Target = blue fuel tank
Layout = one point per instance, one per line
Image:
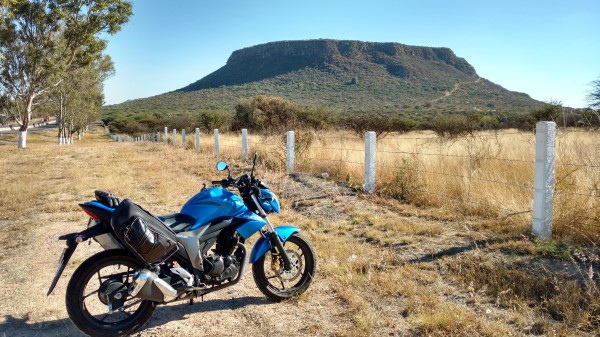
(213, 203)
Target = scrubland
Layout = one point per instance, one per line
(443, 248)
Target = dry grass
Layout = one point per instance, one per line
(367, 282)
(488, 175)
(521, 283)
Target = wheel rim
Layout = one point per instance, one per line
(108, 283)
(283, 281)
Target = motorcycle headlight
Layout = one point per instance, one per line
(269, 201)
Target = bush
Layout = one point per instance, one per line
(381, 125)
(549, 112)
(180, 121)
(274, 114)
(454, 126)
(214, 119)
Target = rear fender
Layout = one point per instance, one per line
(73, 239)
(263, 245)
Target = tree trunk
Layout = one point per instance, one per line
(22, 139)
(25, 123)
(60, 120)
(70, 135)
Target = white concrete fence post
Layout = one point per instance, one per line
(370, 161)
(543, 181)
(198, 140)
(290, 152)
(174, 140)
(183, 137)
(244, 144)
(217, 143)
(166, 135)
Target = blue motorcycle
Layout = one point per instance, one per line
(149, 260)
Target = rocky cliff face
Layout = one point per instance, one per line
(340, 58)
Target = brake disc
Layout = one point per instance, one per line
(295, 267)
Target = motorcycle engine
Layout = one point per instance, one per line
(225, 261)
(219, 268)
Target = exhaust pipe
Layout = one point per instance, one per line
(148, 286)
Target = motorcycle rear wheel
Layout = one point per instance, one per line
(278, 284)
(87, 290)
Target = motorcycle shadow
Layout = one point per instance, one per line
(178, 311)
(21, 326)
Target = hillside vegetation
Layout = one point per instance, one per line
(344, 76)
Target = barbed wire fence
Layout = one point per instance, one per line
(406, 168)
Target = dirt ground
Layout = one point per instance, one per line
(383, 268)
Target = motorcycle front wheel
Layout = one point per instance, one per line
(97, 298)
(279, 284)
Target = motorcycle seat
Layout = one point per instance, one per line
(178, 222)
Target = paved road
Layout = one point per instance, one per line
(5, 130)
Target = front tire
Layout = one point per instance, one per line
(106, 274)
(278, 284)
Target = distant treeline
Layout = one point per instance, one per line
(269, 114)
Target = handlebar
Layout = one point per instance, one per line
(244, 182)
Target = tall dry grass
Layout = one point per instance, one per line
(488, 174)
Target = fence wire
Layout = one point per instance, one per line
(348, 155)
(460, 176)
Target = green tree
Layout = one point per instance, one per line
(276, 114)
(550, 111)
(42, 40)
(382, 125)
(213, 119)
(454, 126)
(78, 98)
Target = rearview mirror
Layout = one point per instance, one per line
(222, 166)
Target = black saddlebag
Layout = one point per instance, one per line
(144, 234)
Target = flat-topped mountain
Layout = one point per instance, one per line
(345, 76)
(342, 59)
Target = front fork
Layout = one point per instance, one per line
(274, 238)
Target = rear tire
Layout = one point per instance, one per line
(85, 302)
(278, 284)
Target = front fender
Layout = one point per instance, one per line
(262, 245)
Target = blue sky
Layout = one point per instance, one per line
(549, 49)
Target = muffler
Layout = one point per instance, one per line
(148, 286)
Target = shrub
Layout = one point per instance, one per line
(275, 114)
(454, 126)
(551, 111)
(214, 119)
(381, 125)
